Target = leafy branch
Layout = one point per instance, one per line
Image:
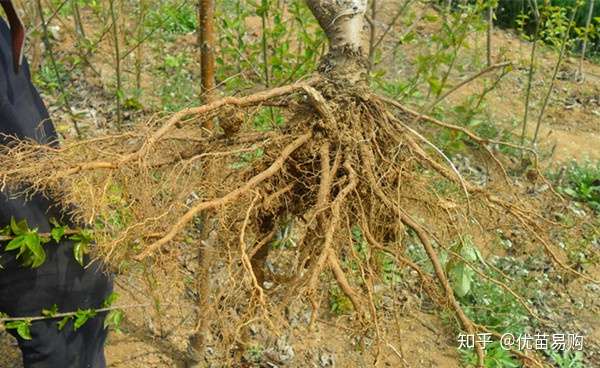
(113, 318)
(29, 242)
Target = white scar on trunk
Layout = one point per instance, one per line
(343, 22)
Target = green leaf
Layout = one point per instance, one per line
(435, 84)
(82, 236)
(468, 252)
(18, 228)
(38, 255)
(16, 243)
(23, 331)
(5, 230)
(57, 233)
(82, 316)
(63, 322)
(22, 328)
(82, 240)
(79, 250)
(50, 312)
(110, 300)
(114, 319)
(461, 276)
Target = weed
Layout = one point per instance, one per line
(461, 275)
(581, 182)
(254, 354)
(172, 18)
(487, 303)
(268, 118)
(339, 303)
(567, 359)
(46, 77)
(246, 158)
(388, 269)
(361, 247)
(178, 90)
(495, 357)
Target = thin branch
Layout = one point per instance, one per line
(556, 67)
(72, 314)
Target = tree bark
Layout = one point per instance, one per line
(139, 52)
(206, 40)
(79, 30)
(490, 29)
(116, 46)
(35, 38)
(372, 34)
(345, 25)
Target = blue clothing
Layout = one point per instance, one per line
(60, 279)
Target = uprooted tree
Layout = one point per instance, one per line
(345, 158)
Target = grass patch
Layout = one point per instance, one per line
(581, 182)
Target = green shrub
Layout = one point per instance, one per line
(172, 17)
(581, 182)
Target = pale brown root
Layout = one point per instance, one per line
(175, 121)
(551, 252)
(226, 101)
(231, 196)
(318, 101)
(325, 185)
(367, 161)
(264, 241)
(439, 271)
(326, 175)
(186, 173)
(245, 258)
(493, 199)
(503, 285)
(327, 254)
(467, 132)
(427, 280)
(519, 298)
(439, 151)
(483, 142)
(342, 281)
(272, 198)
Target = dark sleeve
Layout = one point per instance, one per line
(22, 111)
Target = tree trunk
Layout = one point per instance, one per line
(490, 28)
(36, 38)
(372, 34)
(206, 41)
(117, 55)
(79, 30)
(588, 20)
(345, 25)
(139, 52)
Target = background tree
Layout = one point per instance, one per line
(588, 22)
(206, 43)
